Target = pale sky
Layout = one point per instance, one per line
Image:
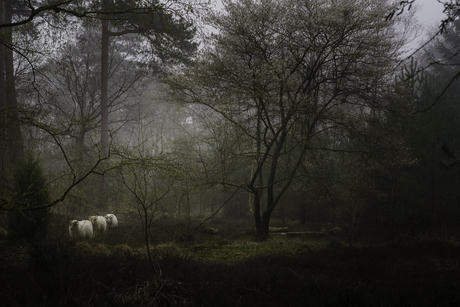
(430, 12)
(429, 15)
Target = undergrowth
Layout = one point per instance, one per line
(234, 271)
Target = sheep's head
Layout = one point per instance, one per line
(73, 224)
(92, 219)
(109, 217)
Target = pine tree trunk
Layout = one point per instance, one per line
(11, 144)
(104, 89)
(3, 145)
(104, 106)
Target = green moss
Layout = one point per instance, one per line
(241, 250)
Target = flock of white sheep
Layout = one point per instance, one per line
(95, 225)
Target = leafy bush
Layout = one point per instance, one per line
(29, 192)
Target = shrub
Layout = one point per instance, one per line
(29, 192)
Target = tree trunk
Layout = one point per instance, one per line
(104, 88)
(3, 145)
(104, 105)
(263, 225)
(80, 148)
(262, 221)
(11, 143)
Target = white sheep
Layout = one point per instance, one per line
(80, 230)
(112, 221)
(99, 224)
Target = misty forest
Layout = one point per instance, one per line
(253, 153)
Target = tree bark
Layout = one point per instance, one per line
(104, 88)
(3, 145)
(104, 104)
(11, 143)
(262, 221)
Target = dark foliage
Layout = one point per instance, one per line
(29, 192)
(422, 273)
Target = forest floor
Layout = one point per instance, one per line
(223, 264)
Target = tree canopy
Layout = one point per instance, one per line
(286, 72)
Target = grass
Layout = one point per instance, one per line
(238, 250)
(231, 268)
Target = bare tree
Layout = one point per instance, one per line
(284, 72)
(166, 27)
(148, 178)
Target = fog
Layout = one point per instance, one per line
(296, 155)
